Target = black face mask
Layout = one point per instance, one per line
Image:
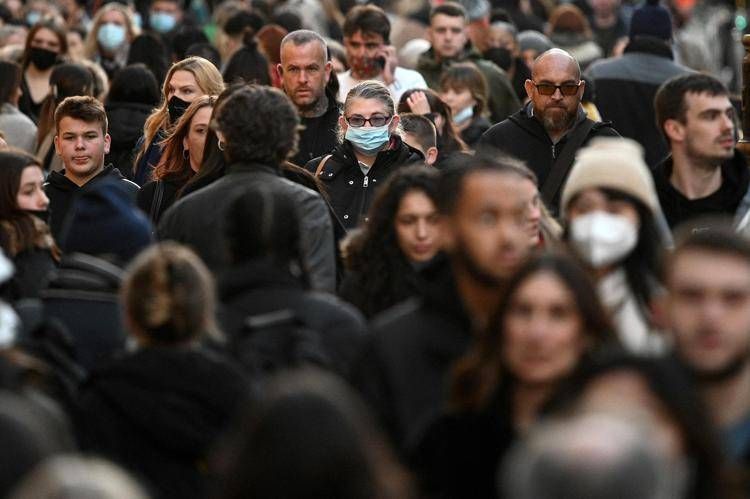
(42, 215)
(176, 108)
(42, 58)
(500, 56)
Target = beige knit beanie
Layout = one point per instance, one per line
(611, 163)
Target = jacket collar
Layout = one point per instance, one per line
(649, 45)
(252, 167)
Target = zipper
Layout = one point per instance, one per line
(366, 182)
(553, 151)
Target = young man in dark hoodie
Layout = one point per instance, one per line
(81, 141)
(705, 174)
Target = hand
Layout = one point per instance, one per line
(418, 103)
(388, 53)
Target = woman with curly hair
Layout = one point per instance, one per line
(400, 236)
(181, 158)
(24, 237)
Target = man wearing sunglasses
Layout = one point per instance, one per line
(549, 130)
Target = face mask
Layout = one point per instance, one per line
(176, 108)
(42, 58)
(463, 115)
(602, 238)
(368, 140)
(33, 17)
(138, 20)
(163, 22)
(111, 36)
(500, 56)
(42, 215)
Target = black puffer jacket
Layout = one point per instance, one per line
(351, 191)
(126, 121)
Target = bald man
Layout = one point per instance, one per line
(549, 130)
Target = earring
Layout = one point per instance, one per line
(186, 153)
(220, 145)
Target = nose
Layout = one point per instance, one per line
(42, 200)
(79, 143)
(422, 229)
(728, 122)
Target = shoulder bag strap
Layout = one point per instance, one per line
(322, 164)
(562, 165)
(156, 201)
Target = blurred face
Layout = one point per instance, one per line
(707, 135)
(31, 194)
(362, 50)
(627, 393)
(114, 17)
(167, 7)
(708, 309)
(304, 73)
(46, 39)
(75, 45)
(417, 228)
(184, 85)
(486, 234)
(543, 336)
(82, 147)
(557, 112)
(196, 137)
(458, 100)
(534, 211)
(604, 7)
(447, 35)
(501, 38)
(591, 200)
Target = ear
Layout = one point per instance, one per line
(674, 130)
(581, 89)
(428, 35)
(280, 70)
(57, 145)
(185, 144)
(529, 86)
(394, 123)
(328, 68)
(343, 124)
(107, 143)
(431, 156)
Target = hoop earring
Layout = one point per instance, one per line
(220, 144)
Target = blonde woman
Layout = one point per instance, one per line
(182, 156)
(109, 40)
(186, 81)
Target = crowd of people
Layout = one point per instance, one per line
(373, 250)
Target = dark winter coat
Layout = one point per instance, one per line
(31, 269)
(257, 288)
(83, 294)
(158, 412)
(503, 99)
(318, 136)
(351, 192)
(146, 199)
(625, 89)
(198, 220)
(732, 199)
(126, 121)
(404, 368)
(62, 192)
(149, 159)
(524, 137)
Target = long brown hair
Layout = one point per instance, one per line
(173, 163)
(209, 81)
(58, 30)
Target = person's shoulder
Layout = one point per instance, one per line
(405, 75)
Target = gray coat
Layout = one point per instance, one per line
(18, 129)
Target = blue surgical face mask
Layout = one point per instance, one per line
(463, 115)
(111, 36)
(368, 140)
(33, 17)
(163, 22)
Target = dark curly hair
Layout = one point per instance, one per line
(259, 125)
(386, 275)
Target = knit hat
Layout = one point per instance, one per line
(105, 221)
(651, 19)
(611, 163)
(534, 40)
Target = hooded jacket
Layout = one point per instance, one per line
(159, 411)
(318, 135)
(524, 137)
(503, 100)
(351, 192)
(62, 192)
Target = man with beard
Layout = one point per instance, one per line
(708, 310)
(704, 173)
(408, 357)
(367, 32)
(549, 130)
(305, 72)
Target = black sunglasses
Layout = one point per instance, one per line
(566, 89)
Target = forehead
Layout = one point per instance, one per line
(305, 53)
(164, 5)
(366, 107)
(501, 190)
(445, 21)
(555, 68)
(699, 102)
(362, 37)
(202, 116)
(31, 173)
(45, 34)
(73, 125)
(113, 16)
(182, 78)
(709, 270)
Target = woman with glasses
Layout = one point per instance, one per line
(370, 149)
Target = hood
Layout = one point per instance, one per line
(59, 181)
(524, 119)
(182, 398)
(126, 121)
(262, 273)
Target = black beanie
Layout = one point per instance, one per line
(651, 19)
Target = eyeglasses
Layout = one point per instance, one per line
(566, 89)
(358, 121)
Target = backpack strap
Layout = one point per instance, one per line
(157, 200)
(564, 162)
(322, 164)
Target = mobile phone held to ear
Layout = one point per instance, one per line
(380, 62)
